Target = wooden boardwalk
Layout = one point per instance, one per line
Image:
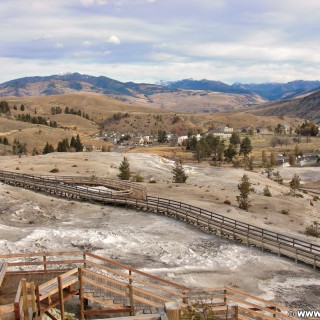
(132, 195)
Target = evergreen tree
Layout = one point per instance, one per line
(22, 108)
(19, 148)
(79, 147)
(76, 144)
(235, 139)
(295, 183)
(264, 158)
(230, 152)
(179, 175)
(73, 143)
(63, 146)
(5, 141)
(124, 169)
(245, 146)
(48, 148)
(4, 107)
(245, 189)
(162, 136)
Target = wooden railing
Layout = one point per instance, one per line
(118, 188)
(247, 306)
(236, 230)
(207, 220)
(25, 303)
(130, 286)
(121, 288)
(3, 270)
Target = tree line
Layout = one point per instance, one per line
(214, 146)
(36, 120)
(67, 110)
(64, 146)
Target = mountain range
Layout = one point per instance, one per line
(75, 82)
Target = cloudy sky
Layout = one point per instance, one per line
(152, 40)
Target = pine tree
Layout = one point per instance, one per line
(179, 175)
(79, 147)
(76, 144)
(5, 141)
(230, 152)
(245, 189)
(245, 146)
(235, 138)
(124, 169)
(63, 146)
(264, 158)
(48, 148)
(295, 183)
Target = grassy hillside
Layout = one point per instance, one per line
(307, 107)
(111, 115)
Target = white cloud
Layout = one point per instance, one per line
(45, 36)
(102, 2)
(58, 45)
(86, 43)
(114, 40)
(87, 3)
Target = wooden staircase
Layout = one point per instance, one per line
(108, 287)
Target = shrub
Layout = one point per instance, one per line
(138, 178)
(152, 180)
(284, 211)
(228, 202)
(312, 231)
(266, 192)
(54, 170)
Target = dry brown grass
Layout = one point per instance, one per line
(164, 151)
(195, 101)
(140, 120)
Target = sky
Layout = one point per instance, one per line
(248, 41)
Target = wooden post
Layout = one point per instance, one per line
(84, 261)
(17, 311)
(61, 297)
(225, 296)
(33, 301)
(173, 310)
(81, 294)
(185, 297)
(25, 299)
(45, 265)
(132, 312)
(38, 301)
(236, 312)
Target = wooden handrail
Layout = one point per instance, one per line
(122, 266)
(244, 301)
(278, 243)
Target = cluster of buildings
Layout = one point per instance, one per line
(140, 139)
